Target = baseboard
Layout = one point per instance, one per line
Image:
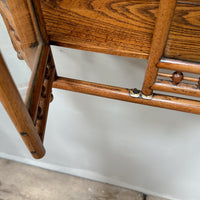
(81, 173)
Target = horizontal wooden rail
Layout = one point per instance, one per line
(181, 88)
(178, 65)
(123, 94)
(18, 113)
(186, 78)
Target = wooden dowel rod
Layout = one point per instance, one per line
(186, 78)
(18, 113)
(123, 94)
(164, 75)
(178, 65)
(160, 35)
(35, 85)
(45, 100)
(181, 88)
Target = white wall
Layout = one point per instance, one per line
(149, 149)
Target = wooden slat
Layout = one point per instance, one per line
(14, 105)
(181, 88)
(184, 37)
(118, 93)
(178, 65)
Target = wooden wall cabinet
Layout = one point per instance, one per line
(166, 32)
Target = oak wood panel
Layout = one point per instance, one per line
(110, 26)
(184, 37)
(121, 27)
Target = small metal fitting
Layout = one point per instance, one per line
(134, 92)
(147, 96)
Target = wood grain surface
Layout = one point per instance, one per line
(121, 27)
(184, 37)
(115, 27)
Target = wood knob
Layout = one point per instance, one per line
(177, 77)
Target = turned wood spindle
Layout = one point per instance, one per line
(177, 77)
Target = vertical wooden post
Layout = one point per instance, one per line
(161, 31)
(18, 113)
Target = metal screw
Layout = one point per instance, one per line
(136, 91)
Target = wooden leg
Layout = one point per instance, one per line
(18, 112)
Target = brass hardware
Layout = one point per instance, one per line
(138, 94)
(149, 97)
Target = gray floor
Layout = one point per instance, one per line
(24, 182)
